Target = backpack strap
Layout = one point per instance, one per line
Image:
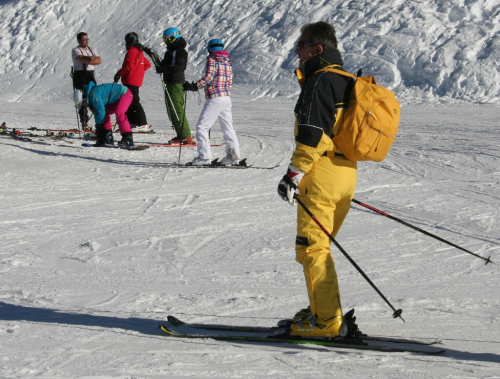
(336, 71)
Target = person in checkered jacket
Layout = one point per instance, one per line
(217, 84)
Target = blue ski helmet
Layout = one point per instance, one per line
(171, 35)
(215, 45)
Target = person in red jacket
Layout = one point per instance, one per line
(132, 75)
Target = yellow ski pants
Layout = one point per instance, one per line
(326, 190)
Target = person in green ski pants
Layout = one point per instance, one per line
(172, 67)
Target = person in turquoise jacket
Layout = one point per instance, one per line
(105, 100)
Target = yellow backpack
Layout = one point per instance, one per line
(370, 120)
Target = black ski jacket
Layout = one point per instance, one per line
(322, 95)
(174, 63)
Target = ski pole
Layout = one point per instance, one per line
(165, 89)
(157, 62)
(397, 313)
(182, 126)
(78, 122)
(488, 260)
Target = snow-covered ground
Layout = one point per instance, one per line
(99, 245)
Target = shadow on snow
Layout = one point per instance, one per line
(107, 160)
(12, 312)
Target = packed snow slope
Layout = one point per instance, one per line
(424, 50)
(99, 245)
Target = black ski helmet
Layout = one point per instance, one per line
(131, 39)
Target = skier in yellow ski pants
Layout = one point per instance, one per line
(326, 180)
(326, 190)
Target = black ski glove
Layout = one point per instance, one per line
(190, 86)
(147, 50)
(116, 78)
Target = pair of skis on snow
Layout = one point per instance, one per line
(143, 146)
(116, 146)
(215, 163)
(274, 335)
(242, 164)
(147, 146)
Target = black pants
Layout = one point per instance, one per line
(135, 113)
(80, 79)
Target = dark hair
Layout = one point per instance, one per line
(321, 33)
(80, 35)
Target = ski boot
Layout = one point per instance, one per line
(101, 135)
(287, 322)
(311, 326)
(200, 162)
(139, 128)
(305, 324)
(183, 141)
(228, 161)
(127, 141)
(231, 158)
(109, 138)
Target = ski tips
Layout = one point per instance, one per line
(397, 314)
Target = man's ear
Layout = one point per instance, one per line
(319, 49)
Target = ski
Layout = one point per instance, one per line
(231, 328)
(358, 344)
(63, 132)
(14, 133)
(213, 164)
(177, 145)
(237, 167)
(19, 137)
(47, 130)
(150, 131)
(131, 148)
(28, 136)
(259, 329)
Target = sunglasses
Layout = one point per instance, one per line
(84, 39)
(302, 44)
(169, 39)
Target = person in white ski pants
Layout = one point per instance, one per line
(217, 83)
(219, 107)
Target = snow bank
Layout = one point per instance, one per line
(424, 50)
